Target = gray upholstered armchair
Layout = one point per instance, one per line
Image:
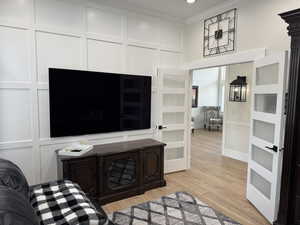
(212, 117)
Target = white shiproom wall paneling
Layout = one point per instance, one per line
(38, 34)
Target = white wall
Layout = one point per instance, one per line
(236, 124)
(208, 93)
(38, 34)
(258, 26)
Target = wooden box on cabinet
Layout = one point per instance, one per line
(115, 171)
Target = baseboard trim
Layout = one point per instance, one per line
(235, 155)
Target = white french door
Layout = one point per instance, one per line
(267, 133)
(173, 127)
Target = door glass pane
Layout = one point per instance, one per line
(262, 157)
(265, 103)
(267, 74)
(174, 153)
(171, 81)
(264, 130)
(173, 136)
(173, 99)
(260, 184)
(173, 118)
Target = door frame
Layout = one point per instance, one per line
(226, 59)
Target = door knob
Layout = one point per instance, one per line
(160, 127)
(274, 148)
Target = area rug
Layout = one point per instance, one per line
(179, 208)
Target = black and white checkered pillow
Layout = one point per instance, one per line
(64, 203)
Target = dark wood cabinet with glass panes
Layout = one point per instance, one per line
(115, 171)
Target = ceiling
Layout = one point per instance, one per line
(173, 8)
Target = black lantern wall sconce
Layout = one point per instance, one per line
(238, 90)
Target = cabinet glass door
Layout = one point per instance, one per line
(121, 172)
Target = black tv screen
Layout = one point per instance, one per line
(83, 102)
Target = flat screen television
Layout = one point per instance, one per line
(84, 102)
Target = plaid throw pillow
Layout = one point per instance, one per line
(64, 203)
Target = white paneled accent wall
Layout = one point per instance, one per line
(59, 51)
(111, 61)
(73, 34)
(14, 45)
(15, 111)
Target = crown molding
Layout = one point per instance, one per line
(292, 18)
(132, 8)
(212, 11)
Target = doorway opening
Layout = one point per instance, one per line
(225, 175)
(214, 115)
(220, 133)
(208, 88)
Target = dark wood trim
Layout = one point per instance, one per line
(288, 214)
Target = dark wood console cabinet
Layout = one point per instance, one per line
(115, 171)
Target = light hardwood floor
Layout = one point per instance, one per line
(216, 180)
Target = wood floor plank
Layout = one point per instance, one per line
(216, 180)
